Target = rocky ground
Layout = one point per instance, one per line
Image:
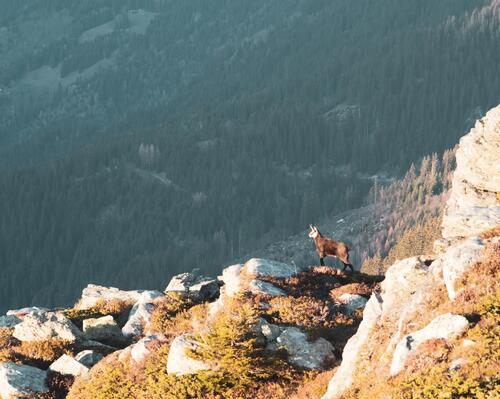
(306, 315)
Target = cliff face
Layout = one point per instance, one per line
(422, 334)
(473, 205)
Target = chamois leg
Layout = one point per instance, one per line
(347, 265)
(321, 262)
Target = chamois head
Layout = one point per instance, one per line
(314, 231)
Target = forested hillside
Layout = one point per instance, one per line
(142, 138)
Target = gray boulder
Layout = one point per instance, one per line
(139, 320)
(38, 326)
(303, 353)
(67, 365)
(103, 329)
(269, 268)
(446, 326)
(201, 287)
(20, 381)
(179, 363)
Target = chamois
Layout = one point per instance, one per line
(328, 247)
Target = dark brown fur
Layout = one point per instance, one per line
(328, 247)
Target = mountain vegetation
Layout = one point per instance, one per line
(143, 138)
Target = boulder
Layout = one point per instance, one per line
(92, 294)
(259, 287)
(345, 374)
(201, 287)
(269, 268)
(446, 326)
(138, 320)
(233, 282)
(352, 302)
(103, 329)
(38, 326)
(67, 365)
(179, 363)
(9, 321)
(88, 358)
(303, 353)
(20, 381)
(473, 205)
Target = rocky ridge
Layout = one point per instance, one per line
(470, 227)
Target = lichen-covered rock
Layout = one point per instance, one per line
(201, 287)
(344, 376)
(258, 287)
(179, 363)
(352, 302)
(67, 365)
(20, 381)
(88, 358)
(446, 326)
(103, 329)
(139, 320)
(39, 326)
(269, 268)
(92, 294)
(473, 205)
(303, 353)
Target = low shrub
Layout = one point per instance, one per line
(303, 311)
(43, 352)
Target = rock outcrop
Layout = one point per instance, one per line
(445, 327)
(473, 206)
